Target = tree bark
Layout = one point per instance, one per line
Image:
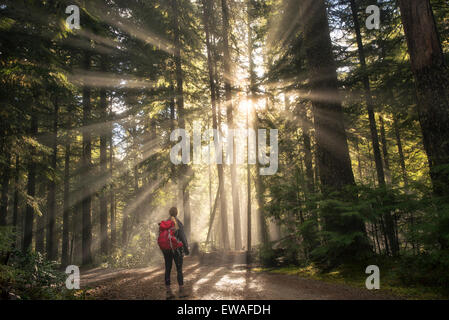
(5, 187)
(373, 126)
(368, 97)
(51, 195)
(385, 150)
(31, 187)
(212, 215)
(432, 83)
(390, 217)
(263, 231)
(86, 161)
(125, 222)
(77, 230)
(111, 194)
(213, 90)
(400, 150)
(66, 206)
(39, 244)
(251, 98)
(305, 127)
(103, 173)
(359, 159)
(334, 163)
(333, 152)
(260, 191)
(230, 121)
(15, 210)
(186, 170)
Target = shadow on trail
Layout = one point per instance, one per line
(131, 284)
(100, 276)
(221, 278)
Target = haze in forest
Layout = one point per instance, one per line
(361, 116)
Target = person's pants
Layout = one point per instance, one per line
(169, 256)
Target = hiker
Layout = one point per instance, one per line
(173, 249)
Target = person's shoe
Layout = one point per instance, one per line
(182, 292)
(169, 293)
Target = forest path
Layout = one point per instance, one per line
(225, 281)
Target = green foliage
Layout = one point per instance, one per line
(268, 257)
(141, 250)
(428, 269)
(29, 275)
(36, 270)
(421, 218)
(123, 259)
(6, 239)
(131, 40)
(354, 275)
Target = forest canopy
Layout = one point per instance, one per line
(355, 118)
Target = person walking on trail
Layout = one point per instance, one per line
(173, 243)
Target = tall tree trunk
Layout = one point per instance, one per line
(51, 195)
(252, 91)
(222, 224)
(125, 223)
(384, 233)
(368, 97)
(230, 120)
(39, 244)
(103, 173)
(359, 159)
(309, 233)
(186, 170)
(15, 209)
(333, 152)
(111, 193)
(334, 163)
(31, 187)
(400, 150)
(136, 175)
(373, 126)
(66, 206)
(212, 215)
(432, 83)
(390, 217)
(5, 187)
(305, 127)
(86, 161)
(77, 230)
(248, 208)
(372, 165)
(5, 172)
(376, 234)
(260, 191)
(221, 177)
(385, 150)
(262, 223)
(172, 105)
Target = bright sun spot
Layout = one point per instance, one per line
(245, 105)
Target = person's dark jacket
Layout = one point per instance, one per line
(181, 236)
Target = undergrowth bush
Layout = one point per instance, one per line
(29, 275)
(128, 259)
(427, 269)
(422, 220)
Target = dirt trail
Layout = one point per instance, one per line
(203, 281)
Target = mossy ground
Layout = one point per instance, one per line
(354, 275)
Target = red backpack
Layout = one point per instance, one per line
(167, 239)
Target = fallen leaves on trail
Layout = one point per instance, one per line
(214, 282)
